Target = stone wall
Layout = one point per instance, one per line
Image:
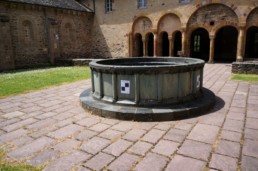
(245, 67)
(33, 36)
(112, 29)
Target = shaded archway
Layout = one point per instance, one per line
(177, 43)
(138, 45)
(251, 50)
(164, 44)
(150, 44)
(200, 44)
(226, 44)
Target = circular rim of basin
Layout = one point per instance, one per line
(112, 65)
(193, 108)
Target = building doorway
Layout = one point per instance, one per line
(200, 44)
(177, 43)
(164, 44)
(150, 44)
(138, 45)
(226, 44)
(251, 50)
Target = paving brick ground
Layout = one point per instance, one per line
(49, 127)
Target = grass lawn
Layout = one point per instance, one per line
(15, 166)
(245, 77)
(17, 82)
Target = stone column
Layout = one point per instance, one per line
(171, 46)
(212, 47)
(131, 44)
(144, 47)
(155, 44)
(183, 42)
(240, 44)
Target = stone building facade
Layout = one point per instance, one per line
(36, 33)
(213, 30)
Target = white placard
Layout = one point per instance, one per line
(125, 87)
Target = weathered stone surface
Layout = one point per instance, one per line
(43, 157)
(233, 125)
(12, 135)
(140, 148)
(251, 134)
(231, 136)
(134, 134)
(123, 126)
(176, 135)
(67, 162)
(153, 136)
(123, 162)
(19, 124)
(66, 145)
(118, 147)
(249, 163)
(195, 149)
(204, 133)
(152, 162)
(180, 163)
(65, 131)
(85, 135)
(94, 145)
(88, 122)
(228, 148)
(41, 124)
(111, 134)
(166, 148)
(13, 114)
(99, 127)
(250, 148)
(31, 148)
(223, 163)
(99, 161)
(252, 123)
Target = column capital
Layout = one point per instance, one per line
(212, 37)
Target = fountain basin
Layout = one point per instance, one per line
(133, 88)
(147, 81)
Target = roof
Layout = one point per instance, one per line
(65, 4)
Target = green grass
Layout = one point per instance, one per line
(17, 82)
(15, 166)
(245, 77)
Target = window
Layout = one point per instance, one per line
(142, 3)
(108, 5)
(197, 43)
(184, 1)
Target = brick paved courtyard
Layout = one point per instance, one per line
(49, 127)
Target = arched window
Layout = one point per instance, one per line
(27, 31)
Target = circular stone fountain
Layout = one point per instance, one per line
(147, 89)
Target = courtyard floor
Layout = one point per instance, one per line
(49, 127)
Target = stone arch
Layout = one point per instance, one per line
(252, 18)
(226, 43)
(138, 45)
(149, 38)
(142, 25)
(200, 43)
(169, 23)
(212, 15)
(251, 48)
(163, 47)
